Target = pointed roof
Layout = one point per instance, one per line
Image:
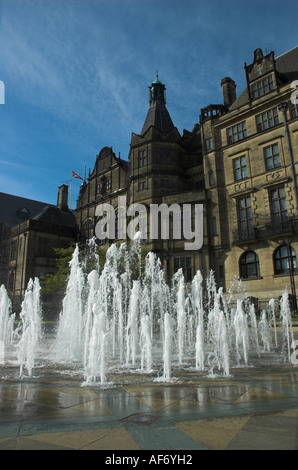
(286, 66)
(157, 79)
(157, 116)
(15, 210)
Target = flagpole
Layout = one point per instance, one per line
(70, 191)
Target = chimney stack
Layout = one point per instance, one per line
(62, 201)
(228, 90)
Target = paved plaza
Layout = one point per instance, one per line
(255, 408)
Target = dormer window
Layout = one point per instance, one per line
(23, 213)
(262, 87)
(104, 186)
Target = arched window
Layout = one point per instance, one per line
(285, 258)
(87, 229)
(120, 223)
(249, 265)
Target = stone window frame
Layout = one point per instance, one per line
(109, 184)
(104, 185)
(88, 228)
(142, 185)
(13, 250)
(248, 220)
(249, 268)
(267, 120)
(184, 263)
(272, 157)
(293, 110)
(262, 87)
(282, 255)
(236, 132)
(211, 178)
(242, 168)
(279, 215)
(142, 158)
(214, 226)
(208, 144)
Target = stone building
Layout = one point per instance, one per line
(163, 168)
(29, 232)
(251, 145)
(239, 162)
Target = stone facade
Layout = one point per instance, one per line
(163, 168)
(254, 144)
(239, 161)
(29, 232)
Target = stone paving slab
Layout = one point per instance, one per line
(254, 409)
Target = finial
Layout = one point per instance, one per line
(157, 79)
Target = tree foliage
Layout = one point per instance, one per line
(56, 283)
(53, 286)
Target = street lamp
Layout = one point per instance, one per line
(283, 107)
(291, 272)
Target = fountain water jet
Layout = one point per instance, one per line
(286, 325)
(7, 319)
(264, 331)
(69, 344)
(197, 302)
(31, 334)
(126, 318)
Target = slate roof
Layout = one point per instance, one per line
(286, 65)
(15, 210)
(158, 116)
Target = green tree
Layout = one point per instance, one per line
(53, 285)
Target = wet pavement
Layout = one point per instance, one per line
(254, 409)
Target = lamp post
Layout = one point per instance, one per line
(23, 267)
(283, 107)
(291, 272)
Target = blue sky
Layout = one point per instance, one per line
(76, 74)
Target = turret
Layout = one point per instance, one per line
(158, 115)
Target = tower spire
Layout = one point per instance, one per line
(158, 115)
(157, 90)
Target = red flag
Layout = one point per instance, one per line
(75, 175)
